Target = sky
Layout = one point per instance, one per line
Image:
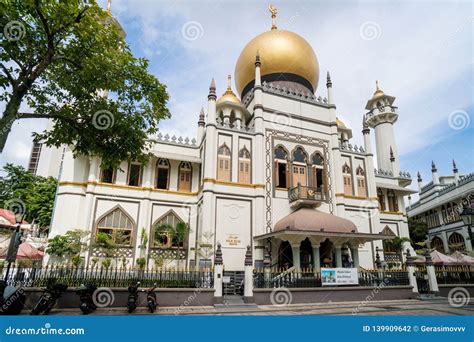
(421, 52)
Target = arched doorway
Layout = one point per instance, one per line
(326, 254)
(306, 254)
(285, 255)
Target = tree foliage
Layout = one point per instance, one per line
(418, 232)
(58, 57)
(35, 193)
(68, 246)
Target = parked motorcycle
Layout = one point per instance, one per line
(132, 297)
(48, 299)
(85, 293)
(151, 299)
(12, 299)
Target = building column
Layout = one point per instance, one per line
(338, 256)
(355, 255)
(296, 254)
(316, 258)
(218, 274)
(411, 271)
(248, 276)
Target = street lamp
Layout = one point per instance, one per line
(15, 241)
(467, 215)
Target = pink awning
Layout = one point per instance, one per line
(27, 251)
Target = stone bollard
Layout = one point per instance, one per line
(267, 272)
(248, 274)
(218, 274)
(430, 271)
(411, 271)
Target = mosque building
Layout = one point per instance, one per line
(272, 167)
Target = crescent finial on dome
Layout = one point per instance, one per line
(273, 10)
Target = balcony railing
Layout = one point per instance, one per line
(306, 193)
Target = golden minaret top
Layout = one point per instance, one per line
(273, 10)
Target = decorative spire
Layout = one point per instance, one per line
(201, 121)
(218, 257)
(433, 166)
(229, 86)
(257, 59)
(212, 90)
(273, 10)
(248, 256)
(365, 125)
(419, 177)
(109, 5)
(328, 80)
(392, 158)
(455, 168)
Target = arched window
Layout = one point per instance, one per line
(437, 243)
(318, 177)
(361, 186)
(299, 167)
(118, 226)
(185, 174)
(347, 177)
(381, 198)
(134, 174)
(244, 166)
(392, 201)
(281, 168)
(456, 243)
(162, 173)
(163, 231)
(223, 163)
(108, 175)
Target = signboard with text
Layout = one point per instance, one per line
(339, 276)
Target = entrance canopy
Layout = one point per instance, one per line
(317, 225)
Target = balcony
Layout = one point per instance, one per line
(305, 195)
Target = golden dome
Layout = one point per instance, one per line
(378, 92)
(281, 52)
(229, 95)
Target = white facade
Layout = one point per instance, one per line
(231, 186)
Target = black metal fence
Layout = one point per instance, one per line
(275, 278)
(111, 277)
(455, 274)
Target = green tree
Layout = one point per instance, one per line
(58, 57)
(418, 231)
(35, 193)
(68, 247)
(178, 234)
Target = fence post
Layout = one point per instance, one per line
(430, 271)
(411, 271)
(248, 282)
(218, 273)
(267, 274)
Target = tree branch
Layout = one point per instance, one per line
(9, 76)
(45, 24)
(67, 59)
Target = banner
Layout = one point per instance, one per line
(339, 276)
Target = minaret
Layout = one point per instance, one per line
(381, 116)
(434, 173)
(420, 181)
(455, 172)
(329, 87)
(201, 124)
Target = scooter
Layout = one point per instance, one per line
(48, 299)
(85, 293)
(151, 299)
(12, 300)
(132, 297)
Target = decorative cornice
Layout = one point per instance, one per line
(241, 185)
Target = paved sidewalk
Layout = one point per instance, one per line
(435, 307)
